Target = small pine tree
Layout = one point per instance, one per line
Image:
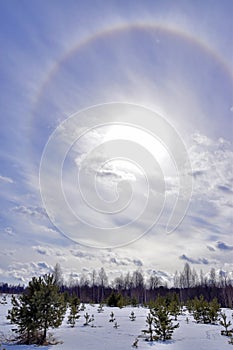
(204, 312)
(82, 307)
(121, 301)
(73, 316)
(74, 310)
(214, 309)
(3, 301)
(163, 325)
(189, 305)
(23, 317)
(88, 319)
(74, 300)
(100, 308)
(116, 325)
(201, 310)
(115, 299)
(149, 324)
(134, 301)
(174, 309)
(135, 343)
(112, 318)
(132, 316)
(92, 320)
(223, 322)
(160, 301)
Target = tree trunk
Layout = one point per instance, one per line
(44, 333)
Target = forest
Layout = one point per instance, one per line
(133, 288)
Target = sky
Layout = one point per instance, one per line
(116, 137)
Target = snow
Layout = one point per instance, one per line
(101, 335)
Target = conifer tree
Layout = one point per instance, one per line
(3, 301)
(174, 309)
(163, 325)
(100, 308)
(82, 307)
(116, 325)
(204, 312)
(74, 310)
(135, 343)
(23, 316)
(150, 330)
(50, 304)
(88, 319)
(159, 301)
(115, 299)
(189, 305)
(132, 316)
(200, 310)
(73, 316)
(112, 318)
(134, 301)
(38, 309)
(214, 309)
(223, 322)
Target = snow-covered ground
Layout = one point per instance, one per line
(103, 336)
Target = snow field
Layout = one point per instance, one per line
(101, 335)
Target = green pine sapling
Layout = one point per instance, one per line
(112, 318)
(132, 316)
(223, 322)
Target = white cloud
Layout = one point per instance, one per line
(23, 272)
(212, 170)
(202, 261)
(6, 179)
(49, 251)
(37, 212)
(9, 230)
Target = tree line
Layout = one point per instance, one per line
(134, 288)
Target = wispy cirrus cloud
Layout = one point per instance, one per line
(6, 179)
(38, 212)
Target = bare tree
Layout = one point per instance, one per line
(93, 279)
(195, 279)
(154, 281)
(138, 284)
(84, 281)
(57, 272)
(128, 282)
(176, 280)
(212, 279)
(138, 279)
(119, 283)
(103, 281)
(187, 276)
(202, 280)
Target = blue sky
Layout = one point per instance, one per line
(58, 58)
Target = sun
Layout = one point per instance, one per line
(141, 137)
